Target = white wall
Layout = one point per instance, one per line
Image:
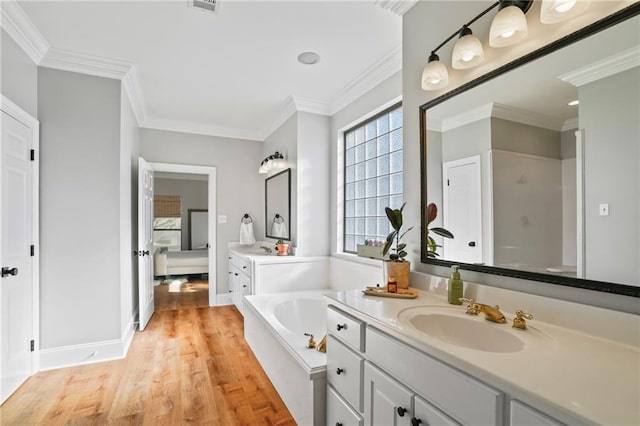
(19, 75)
(240, 189)
(80, 169)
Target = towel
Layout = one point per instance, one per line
(279, 230)
(246, 233)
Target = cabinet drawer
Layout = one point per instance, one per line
(346, 328)
(242, 263)
(344, 371)
(523, 415)
(339, 412)
(427, 414)
(465, 399)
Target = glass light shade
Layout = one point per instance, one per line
(467, 52)
(262, 169)
(552, 11)
(435, 75)
(509, 26)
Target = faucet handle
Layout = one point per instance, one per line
(472, 306)
(311, 343)
(519, 321)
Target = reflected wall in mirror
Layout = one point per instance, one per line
(277, 205)
(532, 186)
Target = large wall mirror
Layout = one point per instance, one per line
(277, 205)
(531, 186)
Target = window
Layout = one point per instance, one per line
(372, 177)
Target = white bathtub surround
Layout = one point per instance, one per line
(274, 327)
(574, 377)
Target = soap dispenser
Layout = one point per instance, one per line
(454, 286)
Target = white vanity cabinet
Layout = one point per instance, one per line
(523, 415)
(239, 278)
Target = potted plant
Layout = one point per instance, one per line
(396, 266)
(282, 247)
(432, 246)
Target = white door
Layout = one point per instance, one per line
(462, 215)
(145, 242)
(16, 319)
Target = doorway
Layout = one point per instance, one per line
(146, 267)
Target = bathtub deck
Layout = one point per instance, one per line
(189, 366)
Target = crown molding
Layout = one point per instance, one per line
(612, 65)
(570, 124)
(131, 86)
(68, 60)
(381, 70)
(517, 115)
(310, 105)
(20, 28)
(201, 129)
(470, 116)
(399, 7)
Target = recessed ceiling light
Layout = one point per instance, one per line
(309, 58)
(574, 103)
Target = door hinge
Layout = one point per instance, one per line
(33, 155)
(33, 250)
(33, 346)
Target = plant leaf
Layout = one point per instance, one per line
(442, 232)
(401, 246)
(432, 213)
(395, 218)
(393, 256)
(402, 254)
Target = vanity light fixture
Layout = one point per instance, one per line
(509, 26)
(274, 162)
(434, 75)
(552, 11)
(468, 51)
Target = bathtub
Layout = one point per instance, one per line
(274, 327)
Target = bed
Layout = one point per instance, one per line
(185, 262)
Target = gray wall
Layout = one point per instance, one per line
(612, 176)
(526, 139)
(19, 76)
(193, 195)
(80, 204)
(238, 183)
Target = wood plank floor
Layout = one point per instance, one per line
(193, 294)
(190, 366)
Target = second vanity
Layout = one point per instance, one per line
(425, 362)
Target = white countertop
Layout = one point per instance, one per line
(572, 374)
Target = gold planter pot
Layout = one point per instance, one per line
(398, 270)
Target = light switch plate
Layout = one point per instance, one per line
(222, 218)
(604, 209)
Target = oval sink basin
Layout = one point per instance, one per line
(473, 333)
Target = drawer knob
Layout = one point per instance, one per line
(339, 371)
(341, 327)
(415, 422)
(401, 411)
(338, 424)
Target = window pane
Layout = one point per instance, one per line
(396, 118)
(371, 169)
(351, 156)
(383, 124)
(359, 135)
(372, 149)
(373, 178)
(359, 153)
(383, 144)
(370, 130)
(396, 161)
(351, 140)
(396, 140)
(351, 174)
(396, 183)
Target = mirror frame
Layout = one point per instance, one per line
(584, 32)
(266, 201)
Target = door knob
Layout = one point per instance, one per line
(9, 271)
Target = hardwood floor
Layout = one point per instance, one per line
(189, 366)
(193, 294)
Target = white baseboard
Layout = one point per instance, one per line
(223, 299)
(127, 335)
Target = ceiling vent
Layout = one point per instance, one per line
(204, 5)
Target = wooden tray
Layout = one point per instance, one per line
(382, 292)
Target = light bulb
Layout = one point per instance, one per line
(552, 11)
(564, 6)
(467, 51)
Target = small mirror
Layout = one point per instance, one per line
(277, 205)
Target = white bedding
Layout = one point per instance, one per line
(181, 262)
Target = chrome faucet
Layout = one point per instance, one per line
(267, 250)
(491, 313)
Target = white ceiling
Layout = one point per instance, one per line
(233, 73)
